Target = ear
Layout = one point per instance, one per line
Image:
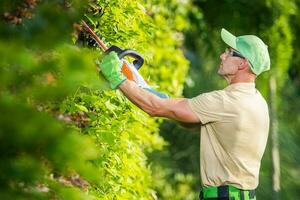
(243, 64)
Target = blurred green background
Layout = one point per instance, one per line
(64, 135)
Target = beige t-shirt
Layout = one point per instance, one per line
(234, 132)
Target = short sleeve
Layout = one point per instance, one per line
(209, 107)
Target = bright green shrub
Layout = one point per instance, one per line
(123, 134)
(154, 30)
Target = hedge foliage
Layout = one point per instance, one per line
(63, 134)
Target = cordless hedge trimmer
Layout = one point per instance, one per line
(130, 70)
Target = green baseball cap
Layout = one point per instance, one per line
(252, 48)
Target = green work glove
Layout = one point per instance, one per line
(111, 67)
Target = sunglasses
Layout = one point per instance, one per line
(234, 53)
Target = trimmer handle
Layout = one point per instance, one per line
(137, 63)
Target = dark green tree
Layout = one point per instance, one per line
(276, 23)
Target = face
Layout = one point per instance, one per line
(230, 61)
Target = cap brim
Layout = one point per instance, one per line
(228, 38)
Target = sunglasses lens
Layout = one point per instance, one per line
(234, 53)
(237, 54)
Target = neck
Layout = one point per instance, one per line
(250, 78)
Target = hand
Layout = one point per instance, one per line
(111, 69)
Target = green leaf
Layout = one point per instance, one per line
(81, 108)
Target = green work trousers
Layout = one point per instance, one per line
(226, 192)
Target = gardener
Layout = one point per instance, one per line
(234, 121)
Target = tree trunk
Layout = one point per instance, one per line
(275, 139)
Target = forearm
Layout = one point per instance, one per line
(173, 108)
(145, 100)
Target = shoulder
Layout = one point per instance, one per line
(216, 96)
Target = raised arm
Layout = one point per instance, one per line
(176, 109)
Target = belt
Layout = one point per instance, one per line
(226, 192)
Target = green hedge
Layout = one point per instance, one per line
(63, 134)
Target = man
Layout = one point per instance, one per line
(234, 121)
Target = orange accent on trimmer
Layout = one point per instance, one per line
(126, 71)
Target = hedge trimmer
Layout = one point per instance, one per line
(130, 70)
